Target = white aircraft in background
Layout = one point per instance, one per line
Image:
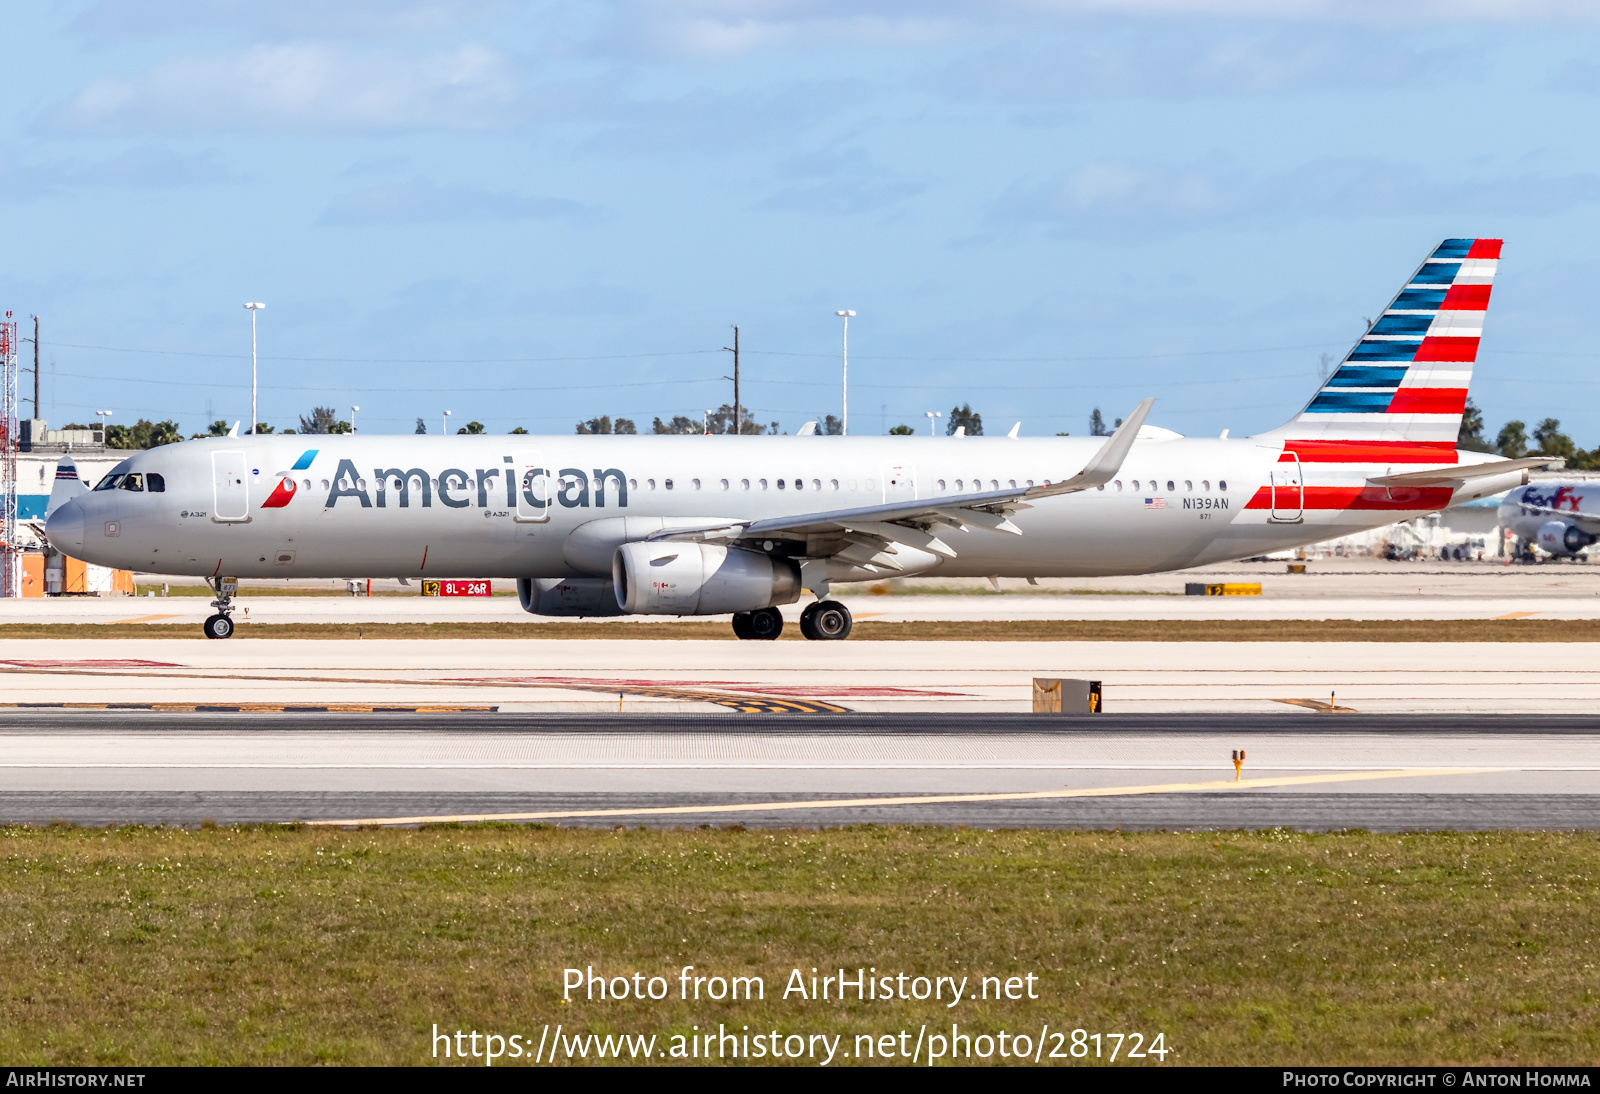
(1563, 518)
(686, 525)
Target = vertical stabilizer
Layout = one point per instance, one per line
(1406, 379)
(67, 485)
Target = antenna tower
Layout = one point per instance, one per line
(10, 553)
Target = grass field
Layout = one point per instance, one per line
(143, 946)
(1020, 630)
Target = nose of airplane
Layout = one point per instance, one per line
(64, 529)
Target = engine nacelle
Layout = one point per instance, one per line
(678, 578)
(1560, 538)
(586, 596)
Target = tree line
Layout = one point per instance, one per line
(1514, 441)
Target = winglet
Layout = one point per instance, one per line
(234, 432)
(1105, 464)
(1014, 431)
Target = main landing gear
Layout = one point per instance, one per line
(221, 624)
(824, 620)
(763, 624)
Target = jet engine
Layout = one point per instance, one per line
(1560, 538)
(587, 596)
(680, 578)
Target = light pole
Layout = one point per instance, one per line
(353, 418)
(844, 407)
(253, 308)
(444, 426)
(931, 415)
(103, 415)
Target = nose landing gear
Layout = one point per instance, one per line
(221, 624)
(826, 620)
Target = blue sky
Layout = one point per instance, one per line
(531, 213)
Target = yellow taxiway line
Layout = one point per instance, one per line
(940, 799)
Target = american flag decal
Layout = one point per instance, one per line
(1155, 503)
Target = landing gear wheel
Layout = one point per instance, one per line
(741, 625)
(826, 619)
(766, 624)
(218, 626)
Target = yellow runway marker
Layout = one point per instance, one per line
(144, 619)
(1517, 615)
(941, 799)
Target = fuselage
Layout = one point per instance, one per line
(473, 506)
(1561, 516)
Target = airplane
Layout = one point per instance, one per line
(735, 525)
(1563, 518)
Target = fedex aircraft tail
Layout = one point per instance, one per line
(1406, 379)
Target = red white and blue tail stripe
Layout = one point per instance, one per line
(1406, 379)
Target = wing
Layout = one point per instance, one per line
(1438, 476)
(865, 535)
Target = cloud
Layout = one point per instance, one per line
(145, 166)
(423, 202)
(1119, 200)
(123, 19)
(305, 86)
(728, 28)
(846, 181)
(1143, 60)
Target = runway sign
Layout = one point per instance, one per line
(456, 588)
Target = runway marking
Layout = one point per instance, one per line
(144, 619)
(744, 704)
(257, 708)
(1319, 706)
(128, 663)
(1516, 615)
(941, 799)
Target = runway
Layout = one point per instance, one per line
(1128, 771)
(693, 676)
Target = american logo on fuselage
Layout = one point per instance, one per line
(459, 488)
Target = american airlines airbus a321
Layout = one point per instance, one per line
(686, 525)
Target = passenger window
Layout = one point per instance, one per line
(872, 484)
(816, 484)
(650, 484)
(724, 484)
(780, 484)
(695, 483)
(1134, 485)
(1171, 486)
(744, 484)
(110, 482)
(1117, 484)
(941, 484)
(1188, 486)
(1205, 484)
(667, 483)
(1222, 484)
(761, 483)
(834, 483)
(154, 483)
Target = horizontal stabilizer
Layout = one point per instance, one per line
(1439, 475)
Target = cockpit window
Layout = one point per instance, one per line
(133, 482)
(154, 483)
(110, 482)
